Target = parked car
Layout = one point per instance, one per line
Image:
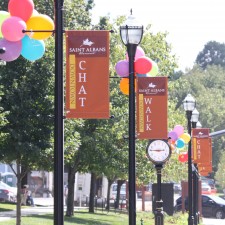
(206, 189)
(7, 193)
(212, 206)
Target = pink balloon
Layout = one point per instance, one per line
(179, 130)
(122, 68)
(21, 8)
(12, 28)
(12, 49)
(143, 65)
(139, 53)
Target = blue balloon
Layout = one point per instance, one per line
(179, 143)
(32, 49)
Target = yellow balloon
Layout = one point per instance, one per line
(40, 22)
(186, 137)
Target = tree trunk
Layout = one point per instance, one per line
(18, 204)
(70, 198)
(119, 184)
(92, 193)
(108, 194)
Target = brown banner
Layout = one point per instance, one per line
(202, 150)
(87, 74)
(152, 107)
(200, 132)
(207, 169)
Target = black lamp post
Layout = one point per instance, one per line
(194, 120)
(131, 34)
(59, 124)
(189, 106)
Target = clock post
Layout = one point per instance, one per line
(159, 151)
(159, 217)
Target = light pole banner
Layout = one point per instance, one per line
(152, 97)
(202, 150)
(87, 74)
(200, 132)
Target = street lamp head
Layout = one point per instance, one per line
(131, 31)
(189, 103)
(194, 116)
(199, 125)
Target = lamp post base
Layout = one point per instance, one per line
(159, 217)
(191, 220)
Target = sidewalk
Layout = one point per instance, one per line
(44, 201)
(44, 205)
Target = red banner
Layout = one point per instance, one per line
(202, 150)
(200, 132)
(152, 100)
(87, 74)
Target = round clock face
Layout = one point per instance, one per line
(158, 151)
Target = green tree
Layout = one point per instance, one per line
(212, 54)
(220, 174)
(27, 89)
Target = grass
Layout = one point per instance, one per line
(7, 207)
(82, 217)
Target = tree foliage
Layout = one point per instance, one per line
(212, 54)
(220, 174)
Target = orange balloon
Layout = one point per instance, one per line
(124, 85)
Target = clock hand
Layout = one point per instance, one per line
(157, 150)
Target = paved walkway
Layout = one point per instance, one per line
(44, 205)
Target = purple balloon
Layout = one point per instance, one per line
(12, 49)
(173, 135)
(122, 68)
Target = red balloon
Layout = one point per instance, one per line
(21, 8)
(143, 65)
(183, 157)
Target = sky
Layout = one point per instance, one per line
(190, 23)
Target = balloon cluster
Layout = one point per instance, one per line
(143, 67)
(16, 36)
(178, 139)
